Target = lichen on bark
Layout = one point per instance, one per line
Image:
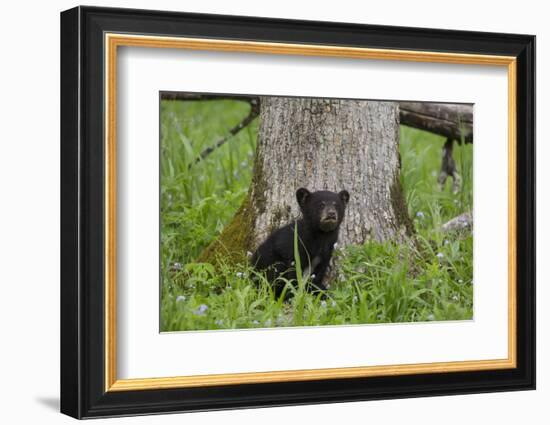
(234, 241)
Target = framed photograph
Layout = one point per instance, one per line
(262, 212)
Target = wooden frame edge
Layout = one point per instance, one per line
(114, 40)
(512, 212)
(306, 375)
(110, 212)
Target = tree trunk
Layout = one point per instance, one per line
(322, 144)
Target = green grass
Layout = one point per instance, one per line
(378, 283)
(197, 200)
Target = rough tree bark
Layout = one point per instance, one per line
(322, 144)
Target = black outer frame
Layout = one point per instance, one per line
(82, 216)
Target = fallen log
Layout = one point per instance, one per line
(189, 97)
(452, 121)
(455, 122)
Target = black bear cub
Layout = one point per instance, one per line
(322, 214)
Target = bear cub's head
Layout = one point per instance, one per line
(323, 208)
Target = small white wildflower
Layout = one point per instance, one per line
(240, 274)
(324, 304)
(460, 281)
(455, 298)
(249, 254)
(354, 300)
(177, 266)
(431, 317)
(420, 214)
(292, 263)
(335, 246)
(313, 276)
(256, 323)
(180, 298)
(440, 255)
(446, 242)
(333, 304)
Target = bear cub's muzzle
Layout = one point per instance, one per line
(329, 219)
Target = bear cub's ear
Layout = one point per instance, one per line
(344, 196)
(302, 195)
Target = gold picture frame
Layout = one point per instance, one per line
(114, 41)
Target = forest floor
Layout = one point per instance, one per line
(377, 283)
